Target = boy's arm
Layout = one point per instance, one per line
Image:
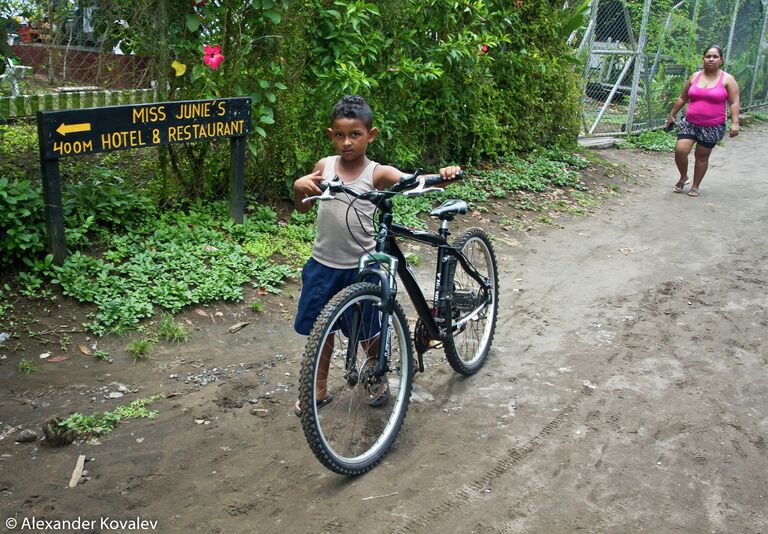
(386, 176)
(306, 186)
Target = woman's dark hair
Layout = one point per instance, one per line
(710, 47)
(353, 107)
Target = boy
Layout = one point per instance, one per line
(343, 234)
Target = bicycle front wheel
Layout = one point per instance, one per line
(351, 417)
(473, 312)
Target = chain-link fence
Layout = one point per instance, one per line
(638, 54)
(72, 52)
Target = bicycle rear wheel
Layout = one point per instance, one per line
(472, 313)
(354, 430)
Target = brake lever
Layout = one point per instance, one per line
(420, 190)
(326, 195)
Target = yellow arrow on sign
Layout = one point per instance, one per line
(64, 129)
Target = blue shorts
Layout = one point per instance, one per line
(319, 284)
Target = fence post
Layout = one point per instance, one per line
(589, 34)
(759, 58)
(639, 65)
(586, 41)
(657, 57)
(237, 178)
(730, 34)
(695, 21)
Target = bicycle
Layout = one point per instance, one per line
(368, 383)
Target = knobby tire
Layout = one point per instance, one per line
(347, 434)
(467, 348)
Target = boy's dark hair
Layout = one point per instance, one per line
(353, 107)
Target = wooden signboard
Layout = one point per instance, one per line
(87, 131)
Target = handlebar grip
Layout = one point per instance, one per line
(437, 179)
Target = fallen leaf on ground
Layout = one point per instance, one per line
(58, 359)
(85, 350)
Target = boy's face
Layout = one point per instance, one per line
(350, 137)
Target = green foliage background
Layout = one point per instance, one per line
(449, 80)
(437, 98)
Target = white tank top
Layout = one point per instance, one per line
(344, 233)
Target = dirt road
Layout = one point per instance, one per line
(626, 393)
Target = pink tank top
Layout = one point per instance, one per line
(706, 107)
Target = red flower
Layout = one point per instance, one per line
(200, 3)
(212, 56)
(519, 3)
(484, 49)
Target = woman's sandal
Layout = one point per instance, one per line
(680, 185)
(318, 404)
(694, 192)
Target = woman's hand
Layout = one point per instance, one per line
(451, 172)
(670, 122)
(734, 130)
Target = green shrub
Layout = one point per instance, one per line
(22, 222)
(654, 140)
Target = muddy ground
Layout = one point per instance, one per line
(626, 391)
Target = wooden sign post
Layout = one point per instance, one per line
(86, 131)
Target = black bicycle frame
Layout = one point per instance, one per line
(388, 249)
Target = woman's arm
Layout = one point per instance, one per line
(682, 99)
(734, 102)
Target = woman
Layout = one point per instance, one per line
(703, 123)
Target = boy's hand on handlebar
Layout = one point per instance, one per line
(307, 186)
(451, 172)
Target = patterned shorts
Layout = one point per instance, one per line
(706, 136)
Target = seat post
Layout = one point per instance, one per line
(444, 227)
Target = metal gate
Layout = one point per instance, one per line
(638, 54)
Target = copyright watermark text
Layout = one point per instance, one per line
(105, 524)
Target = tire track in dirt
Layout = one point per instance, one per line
(503, 465)
(654, 305)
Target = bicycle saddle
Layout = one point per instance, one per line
(449, 208)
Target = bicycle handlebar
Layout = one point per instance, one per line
(409, 185)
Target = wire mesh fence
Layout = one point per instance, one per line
(73, 52)
(638, 54)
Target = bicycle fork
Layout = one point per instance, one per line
(386, 308)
